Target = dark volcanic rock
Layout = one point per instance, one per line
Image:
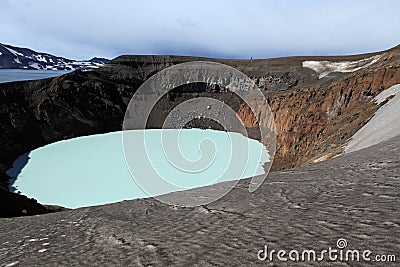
(12, 205)
(354, 197)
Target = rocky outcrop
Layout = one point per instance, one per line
(13, 205)
(316, 123)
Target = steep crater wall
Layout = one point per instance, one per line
(314, 118)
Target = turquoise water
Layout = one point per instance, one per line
(7, 75)
(91, 170)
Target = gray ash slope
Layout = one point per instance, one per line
(12, 57)
(354, 196)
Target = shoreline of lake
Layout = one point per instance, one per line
(16, 75)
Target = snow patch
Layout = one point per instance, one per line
(15, 53)
(151, 247)
(37, 239)
(384, 125)
(392, 91)
(324, 68)
(35, 66)
(40, 58)
(12, 264)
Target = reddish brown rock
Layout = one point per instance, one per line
(315, 123)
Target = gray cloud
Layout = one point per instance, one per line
(234, 28)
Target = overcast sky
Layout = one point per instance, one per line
(81, 29)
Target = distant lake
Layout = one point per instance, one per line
(91, 170)
(8, 75)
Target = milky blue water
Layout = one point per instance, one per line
(92, 170)
(7, 75)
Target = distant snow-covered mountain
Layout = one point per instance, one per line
(23, 58)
